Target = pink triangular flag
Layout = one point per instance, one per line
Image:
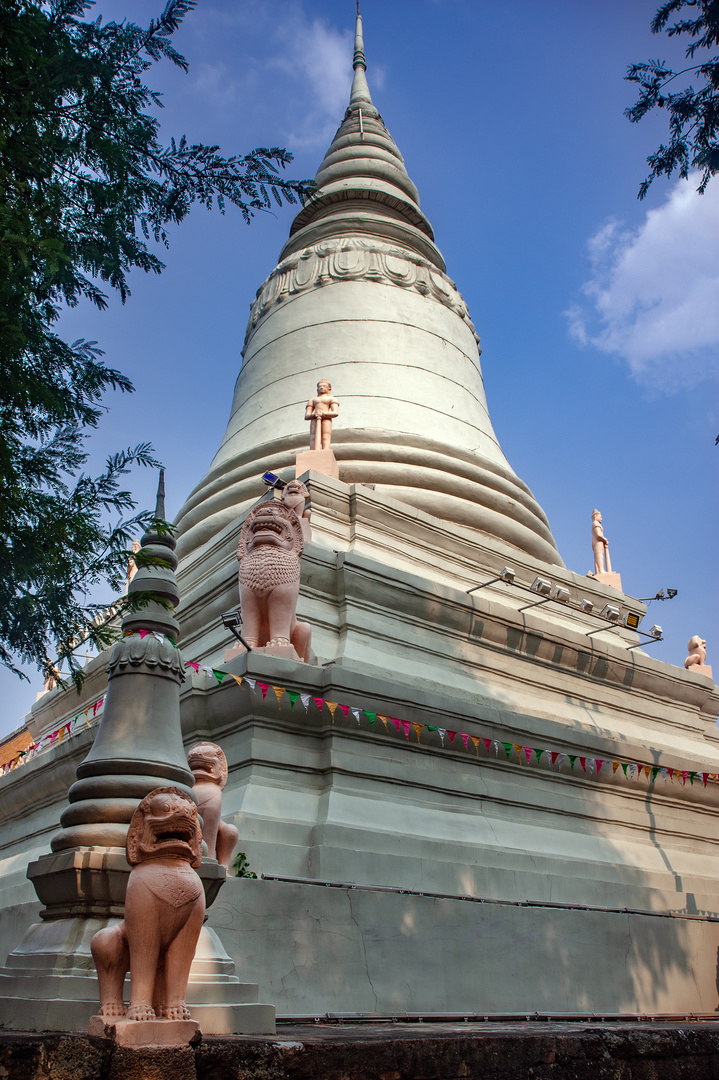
(464, 738)
(264, 687)
(406, 725)
(528, 753)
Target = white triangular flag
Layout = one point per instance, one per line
(632, 771)
(305, 699)
(355, 713)
(442, 731)
(207, 670)
(250, 681)
(591, 762)
(160, 637)
(495, 744)
(663, 771)
(561, 758)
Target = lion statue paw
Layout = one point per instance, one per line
(141, 1012)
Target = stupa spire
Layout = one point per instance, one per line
(360, 94)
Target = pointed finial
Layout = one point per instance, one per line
(360, 90)
(160, 502)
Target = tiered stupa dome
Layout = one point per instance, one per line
(360, 296)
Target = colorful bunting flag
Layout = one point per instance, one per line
(464, 738)
(406, 725)
(279, 691)
(332, 706)
(305, 699)
(238, 679)
(417, 729)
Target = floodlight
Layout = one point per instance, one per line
(609, 612)
(542, 586)
(587, 606)
(561, 594)
(656, 632)
(273, 481)
(506, 574)
(631, 620)
(232, 621)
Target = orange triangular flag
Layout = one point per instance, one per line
(417, 729)
(279, 691)
(475, 740)
(615, 766)
(383, 719)
(332, 706)
(237, 678)
(517, 746)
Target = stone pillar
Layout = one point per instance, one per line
(49, 981)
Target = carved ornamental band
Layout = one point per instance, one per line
(355, 259)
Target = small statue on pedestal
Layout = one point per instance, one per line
(321, 411)
(164, 910)
(209, 768)
(696, 661)
(600, 548)
(294, 495)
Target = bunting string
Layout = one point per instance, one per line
(511, 752)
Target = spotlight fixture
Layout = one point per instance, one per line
(542, 586)
(506, 574)
(232, 621)
(631, 620)
(273, 481)
(561, 594)
(656, 632)
(609, 612)
(587, 607)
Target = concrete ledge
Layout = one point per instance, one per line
(621, 1051)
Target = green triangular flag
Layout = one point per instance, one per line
(431, 727)
(691, 776)
(219, 675)
(371, 716)
(625, 766)
(292, 695)
(171, 640)
(655, 772)
(507, 748)
(572, 758)
(539, 755)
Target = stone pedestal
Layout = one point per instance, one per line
(610, 578)
(286, 652)
(139, 1033)
(322, 461)
(702, 669)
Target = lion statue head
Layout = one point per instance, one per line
(208, 763)
(273, 526)
(165, 823)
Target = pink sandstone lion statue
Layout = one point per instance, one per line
(209, 768)
(164, 910)
(697, 649)
(268, 552)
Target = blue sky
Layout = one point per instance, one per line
(599, 315)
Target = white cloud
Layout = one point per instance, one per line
(653, 294)
(319, 57)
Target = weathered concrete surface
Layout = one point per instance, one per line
(542, 1051)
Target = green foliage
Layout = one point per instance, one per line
(693, 113)
(241, 866)
(85, 188)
